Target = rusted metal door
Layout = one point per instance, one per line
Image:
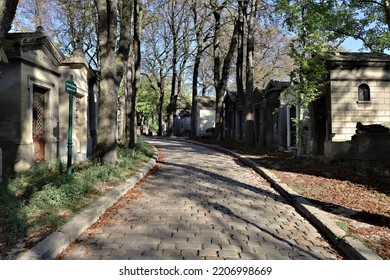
(39, 123)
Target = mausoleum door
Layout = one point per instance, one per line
(39, 123)
(319, 126)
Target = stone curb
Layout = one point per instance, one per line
(351, 247)
(53, 245)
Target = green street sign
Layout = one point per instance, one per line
(70, 86)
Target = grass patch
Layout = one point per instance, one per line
(39, 201)
(343, 226)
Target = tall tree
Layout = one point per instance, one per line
(127, 56)
(201, 23)
(222, 63)
(135, 72)
(114, 56)
(206, 80)
(156, 60)
(107, 35)
(78, 28)
(70, 23)
(176, 15)
(7, 14)
(309, 50)
(185, 54)
(272, 60)
(34, 13)
(246, 22)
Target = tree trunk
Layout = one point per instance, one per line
(217, 79)
(219, 114)
(128, 103)
(173, 17)
(195, 73)
(137, 70)
(194, 105)
(386, 8)
(108, 101)
(221, 77)
(7, 14)
(124, 51)
(160, 131)
(173, 98)
(240, 57)
(249, 116)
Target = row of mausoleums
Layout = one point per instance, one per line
(34, 108)
(348, 122)
(34, 105)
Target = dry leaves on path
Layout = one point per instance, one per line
(359, 202)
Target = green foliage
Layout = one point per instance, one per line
(366, 20)
(309, 50)
(45, 197)
(146, 100)
(318, 27)
(147, 103)
(184, 101)
(343, 226)
(12, 220)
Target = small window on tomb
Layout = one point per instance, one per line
(364, 93)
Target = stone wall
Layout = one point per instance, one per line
(38, 68)
(346, 111)
(348, 71)
(77, 67)
(33, 61)
(206, 119)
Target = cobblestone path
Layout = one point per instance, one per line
(201, 204)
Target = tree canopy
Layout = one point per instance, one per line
(239, 44)
(365, 20)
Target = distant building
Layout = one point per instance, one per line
(205, 117)
(205, 114)
(271, 126)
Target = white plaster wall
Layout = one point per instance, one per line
(206, 120)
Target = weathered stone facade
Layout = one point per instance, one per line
(270, 121)
(351, 74)
(205, 117)
(205, 114)
(358, 92)
(28, 97)
(78, 67)
(34, 104)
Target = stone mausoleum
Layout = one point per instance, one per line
(34, 104)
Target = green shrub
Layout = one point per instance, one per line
(13, 222)
(45, 197)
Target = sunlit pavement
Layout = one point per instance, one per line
(202, 204)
